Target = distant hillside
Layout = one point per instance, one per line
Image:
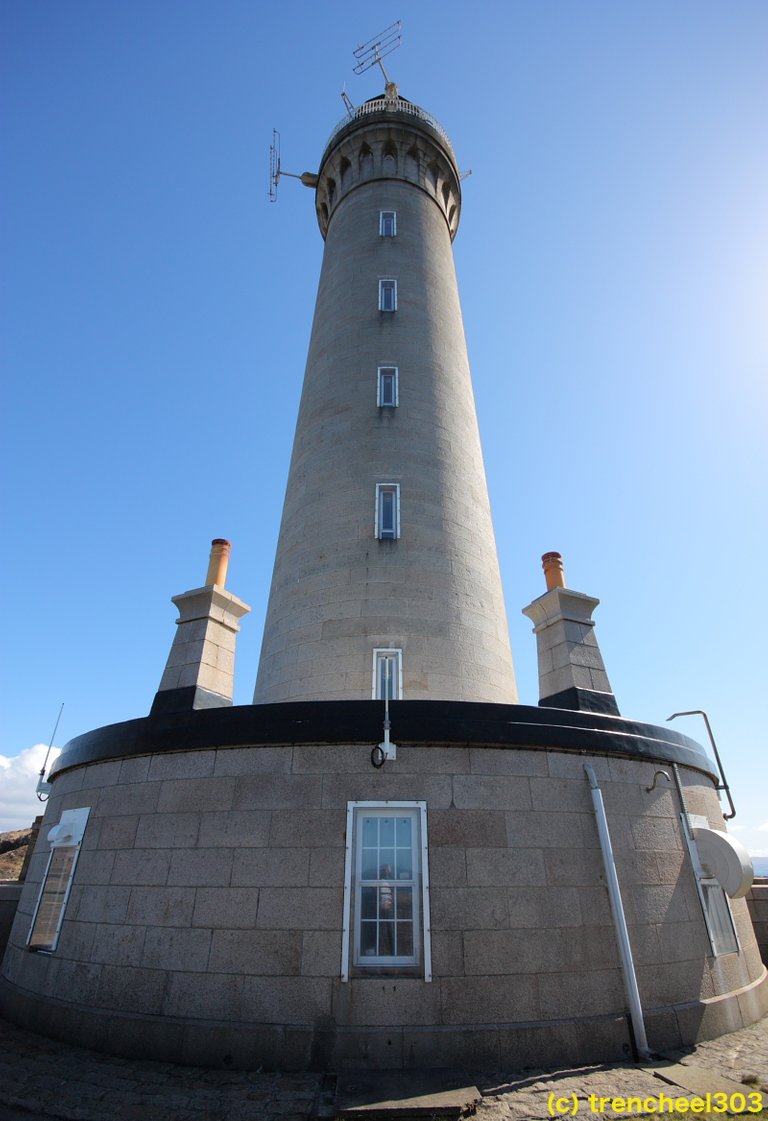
(13, 849)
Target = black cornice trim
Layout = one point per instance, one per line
(423, 723)
(582, 700)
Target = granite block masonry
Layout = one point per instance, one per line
(253, 885)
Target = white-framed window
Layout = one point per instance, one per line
(65, 840)
(387, 516)
(387, 295)
(388, 223)
(386, 889)
(387, 674)
(388, 392)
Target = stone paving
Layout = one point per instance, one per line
(42, 1078)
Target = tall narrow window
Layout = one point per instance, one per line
(386, 886)
(387, 295)
(387, 523)
(387, 675)
(387, 223)
(65, 839)
(388, 395)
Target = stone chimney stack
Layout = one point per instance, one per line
(571, 668)
(201, 665)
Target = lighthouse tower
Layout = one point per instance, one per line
(500, 885)
(386, 578)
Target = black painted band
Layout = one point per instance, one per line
(582, 700)
(427, 723)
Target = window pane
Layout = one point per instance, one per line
(387, 299)
(386, 899)
(387, 388)
(44, 934)
(404, 865)
(387, 674)
(404, 939)
(368, 899)
(404, 903)
(370, 864)
(368, 938)
(719, 919)
(387, 513)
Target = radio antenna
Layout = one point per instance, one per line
(275, 170)
(371, 53)
(43, 788)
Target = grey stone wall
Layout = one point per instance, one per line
(757, 901)
(205, 920)
(10, 893)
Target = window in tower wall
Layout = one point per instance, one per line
(388, 223)
(387, 517)
(388, 391)
(386, 890)
(387, 675)
(65, 839)
(387, 295)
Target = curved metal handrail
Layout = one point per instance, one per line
(382, 105)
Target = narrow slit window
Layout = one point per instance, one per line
(386, 889)
(388, 223)
(387, 522)
(387, 675)
(388, 396)
(387, 295)
(65, 839)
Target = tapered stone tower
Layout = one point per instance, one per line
(386, 573)
(496, 885)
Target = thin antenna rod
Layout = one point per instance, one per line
(371, 53)
(39, 791)
(274, 165)
(308, 178)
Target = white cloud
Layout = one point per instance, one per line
(19, 805)
(764, 827)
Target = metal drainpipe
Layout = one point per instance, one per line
(619, 919)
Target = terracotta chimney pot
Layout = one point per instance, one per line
(219, 562)
(552, 563)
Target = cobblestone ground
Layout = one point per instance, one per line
(41, 1078)
(533, 1095)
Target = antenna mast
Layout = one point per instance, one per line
(371, 54)
(308, 178)
(43, 788)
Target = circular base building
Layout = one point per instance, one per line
(228, 905)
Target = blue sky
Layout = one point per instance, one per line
(613, 265)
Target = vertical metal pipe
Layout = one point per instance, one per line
(619, 918)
